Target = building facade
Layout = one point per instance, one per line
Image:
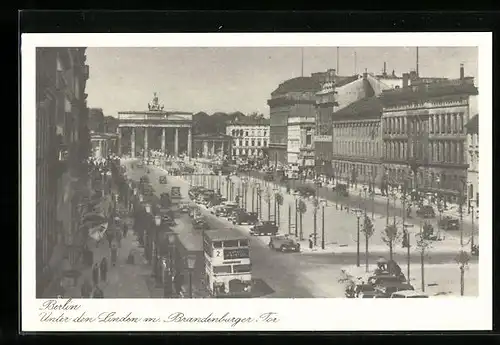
(104, 144)
(473, 158)
(250, 136)
(293, 98)
(423, 128)
(300, 143)
(170, 132)
(212, 146)
(62, 147)
(357, 144)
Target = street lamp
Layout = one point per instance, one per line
(156, 271)
(296, 196)
(358, 213)
(323, 204)
(191, 262)
(276, 189)
(407, 238)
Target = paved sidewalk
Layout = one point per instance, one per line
(123, 280)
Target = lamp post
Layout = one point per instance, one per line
(259, 201)
(191, 262)
(323, 203)
(276, 215)
(394, 195)
(253, 197)
(408, 245)
(358, 213)
(296, 194)
(473, 216)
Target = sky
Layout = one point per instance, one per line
(242, 79)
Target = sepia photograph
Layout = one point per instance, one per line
(287, 172)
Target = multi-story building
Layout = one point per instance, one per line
(300, 144)
(62, 146)
(473, 158)
(293, 98)
(104, 144)
(346, 118)
(250, 136)
(423, 129)
(356, 154)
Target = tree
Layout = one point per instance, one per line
(302, 208)
(463, 261)
(423, 244)
(390, 236)
(279, 202)
(368, 230)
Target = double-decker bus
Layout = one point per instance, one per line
(228, 271)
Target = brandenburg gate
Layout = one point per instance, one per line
(168, 131)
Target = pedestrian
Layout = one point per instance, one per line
(119, 237)
(104, 269)
(86, 289)
(109, 236)
(114, 254)
(97, 292)
(95, 274)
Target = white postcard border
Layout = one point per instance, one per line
(448, 313)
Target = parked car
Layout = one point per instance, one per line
(166, 219)
(244, 217)
(284, 243)
(162, 179)
(426, 211)
(408, 294)
(388, 288)
(385, 279)
(475, 250)
(264, 228)
(200, 224)
(306, 191)
(370, 294)
(449, 223)
(184, 208)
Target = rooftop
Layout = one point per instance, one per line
(422, 91)
(224, 235)
(367, 105)
(299, 84)
(248, 120)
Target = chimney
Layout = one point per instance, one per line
(385, 68)
(461, 71)
(406, 77)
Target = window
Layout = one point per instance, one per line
(265, 132)
(233, 132)
(253, 142)
(246, 142)
(443, 123)
(265, 143)
(258, 143)
(242, 268)
(230, 244)
(240, 142)
(234, 152)
(222, 269)
(246, 134)
(308, 139)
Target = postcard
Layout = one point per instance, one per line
(235, 182)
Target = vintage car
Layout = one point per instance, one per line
(388, 288)
(284, 243)
(243, 217)
(201, 224)
(162, 179)
(408, 294)
(426, 211)
(264, 228)
(449, 223)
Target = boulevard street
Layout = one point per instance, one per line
(299, 275)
